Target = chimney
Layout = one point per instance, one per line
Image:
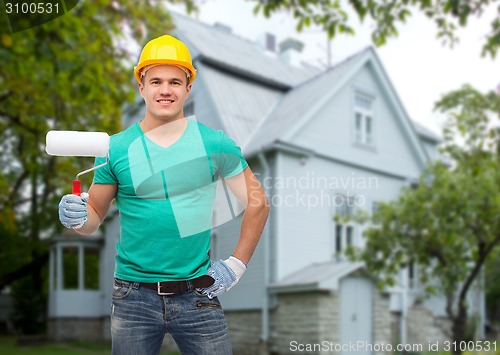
(290, 51)
(222, 27)
(267, 42)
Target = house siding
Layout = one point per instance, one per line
(305, 205)
(330, 130)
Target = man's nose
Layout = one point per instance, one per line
(165, 89)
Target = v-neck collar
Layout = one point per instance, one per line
(153, 143)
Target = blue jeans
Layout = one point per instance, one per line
(140, 318)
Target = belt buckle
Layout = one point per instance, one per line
(158, 289)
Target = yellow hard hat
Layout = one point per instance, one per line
(165, 50)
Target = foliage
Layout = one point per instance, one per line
(388, 15)
(28, 314)
(448, 224)
(72, 73)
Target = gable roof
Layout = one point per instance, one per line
(426, 133)
(297, 102)
(303, 102)
(235, 54)
(262, 100)
(241, 103)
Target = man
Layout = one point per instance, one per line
(163, 172)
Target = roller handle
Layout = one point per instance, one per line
(77, 187)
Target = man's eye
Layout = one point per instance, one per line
(155, 82)
(176, 83)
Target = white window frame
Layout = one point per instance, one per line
(341, 231)
(364, 119)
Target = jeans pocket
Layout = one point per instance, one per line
(205, 302)
(121, 289)
(202, 304)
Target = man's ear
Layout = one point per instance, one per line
(188, 88)
(141, 89)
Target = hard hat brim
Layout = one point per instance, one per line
(138, 68)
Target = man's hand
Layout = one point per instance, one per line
(73, 210)
(226, 274)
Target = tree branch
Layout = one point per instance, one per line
(24, 270)
(17, 121)
(17, 185)
(484, 251)
(4, 96)
(450, 296)
(437, 254)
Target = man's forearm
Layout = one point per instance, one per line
(93, 222)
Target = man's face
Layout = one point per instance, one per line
(164, 90)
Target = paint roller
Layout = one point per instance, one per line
(78, 144)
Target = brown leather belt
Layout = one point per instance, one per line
(171, 287)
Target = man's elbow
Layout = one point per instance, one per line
(260, 205)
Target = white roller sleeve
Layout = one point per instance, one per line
(77, 144)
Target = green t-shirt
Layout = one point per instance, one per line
(165, 197)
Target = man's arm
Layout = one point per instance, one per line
(247, 189)
(227, 273)
(100, 198)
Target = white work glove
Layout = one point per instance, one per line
(226, 274)
(73, 210)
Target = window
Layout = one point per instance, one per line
(91, 268)
(70, 268)
(348, 235)
(344, 230)
(363, 120)
(338, 238)
(412, 275)
(79, 268)
(344, 205)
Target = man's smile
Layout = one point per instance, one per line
(165, 101)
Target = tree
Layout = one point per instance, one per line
(448, 225)
(72, 73)
(332, 16)
(492, 288)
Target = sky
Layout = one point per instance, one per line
(420, 68)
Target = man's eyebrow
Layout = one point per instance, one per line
(169, 79)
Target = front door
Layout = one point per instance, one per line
(356, 315)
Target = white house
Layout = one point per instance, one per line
(322, 143)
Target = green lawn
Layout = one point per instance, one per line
(8, 346)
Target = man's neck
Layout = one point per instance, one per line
(166, 134)
(149, 123)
